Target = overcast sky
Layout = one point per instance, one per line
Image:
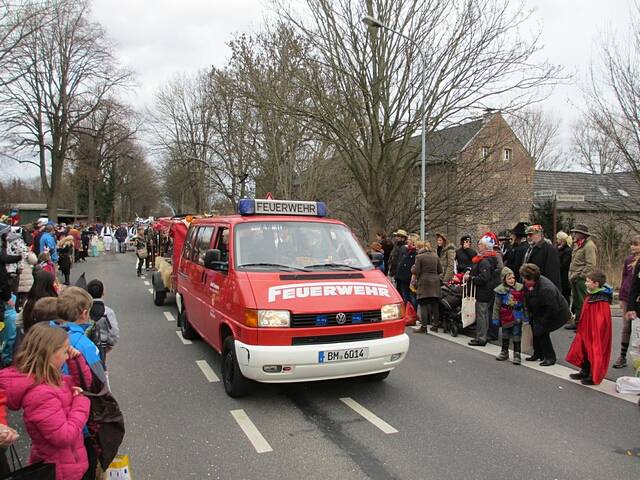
(160, 38)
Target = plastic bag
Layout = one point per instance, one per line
(410, 315)
(119, 469)
(629, 385)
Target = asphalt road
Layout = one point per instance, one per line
(448, 412)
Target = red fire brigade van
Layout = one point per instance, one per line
(287, 295)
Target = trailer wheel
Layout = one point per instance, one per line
(235, 384)
(159, 296)
(454, 329)
(187, 331)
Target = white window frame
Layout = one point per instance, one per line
(508, 154)
(486, 152)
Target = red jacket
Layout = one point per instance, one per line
(54, 419)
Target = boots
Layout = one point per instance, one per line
(516, 353)
(504, 353)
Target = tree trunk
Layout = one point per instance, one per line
(91, 207)
(52, 205)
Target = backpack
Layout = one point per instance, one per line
(100, 328)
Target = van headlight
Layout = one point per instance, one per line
(274, 318)
(391, 311)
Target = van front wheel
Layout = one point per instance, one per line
(187, 331)
(235, 384)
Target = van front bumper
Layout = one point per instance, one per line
(303, 360)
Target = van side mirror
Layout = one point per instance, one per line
(212, 261)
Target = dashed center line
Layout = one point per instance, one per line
(253, 434)
(169, 316)
(207, 371)
(146, 283)
(368, 415)
(151, 291)
(182, 339)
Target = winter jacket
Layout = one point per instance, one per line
(447, 256)
(545, 256)
(394, 257)
(405, 263)
(98, 310)
(633, 304)
(464, 259)
(121, 234)
(627, 278)
(515, 258)
(546, 307)
(508, 307)
(565, 261)
(48, 243)
(485, 276)
(428, 270)
(54, 420)
(583, 260)
(89, 351)
(25, 281)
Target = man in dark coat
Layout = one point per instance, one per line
(387, 247)
(544, 254)
(514, 258)
(547, 310)
(397, 252)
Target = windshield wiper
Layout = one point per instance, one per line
(333, 265)
(277, 265)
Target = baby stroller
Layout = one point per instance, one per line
(450, 308)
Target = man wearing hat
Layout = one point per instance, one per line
(515, 257)
(542, 253)
(583, 261)
(400, 240)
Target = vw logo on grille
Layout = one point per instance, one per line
(341, 318)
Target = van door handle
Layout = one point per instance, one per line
(203, 277)
(183, 275)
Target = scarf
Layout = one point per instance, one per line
(478, 258)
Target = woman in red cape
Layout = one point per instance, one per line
(591, 349)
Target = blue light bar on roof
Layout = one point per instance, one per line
(250, 206)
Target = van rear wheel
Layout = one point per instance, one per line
(187, 331)
(235, 384)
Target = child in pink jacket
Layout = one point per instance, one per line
(54, 410)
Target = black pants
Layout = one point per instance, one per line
(140, 264)
(429, 311)
(5, 469)
(122, 246)
(543, 347)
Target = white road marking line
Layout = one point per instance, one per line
(146, 283)
(151, 291)
(169, 316)
(369, 415)
(182, 339)
(207, 371)
(253, 434)
(559, 371)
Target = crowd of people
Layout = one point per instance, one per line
(55, 342)
(521, 278)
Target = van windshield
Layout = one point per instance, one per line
(297, 246)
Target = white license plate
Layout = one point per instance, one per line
(348, 355)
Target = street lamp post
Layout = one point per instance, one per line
(375, 23)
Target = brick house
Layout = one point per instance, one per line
(479, 178)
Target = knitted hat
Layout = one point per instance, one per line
(564, 237)
(489, 239)
(505, 271)
(534, 229)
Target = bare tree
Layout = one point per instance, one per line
(364, 90)
(98, 143)
(539, 133)
(66, 68)
(594, 150)
(614, 92)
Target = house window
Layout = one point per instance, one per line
(485, 153)
(622, 192)
(603, 191)
(508, 154)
